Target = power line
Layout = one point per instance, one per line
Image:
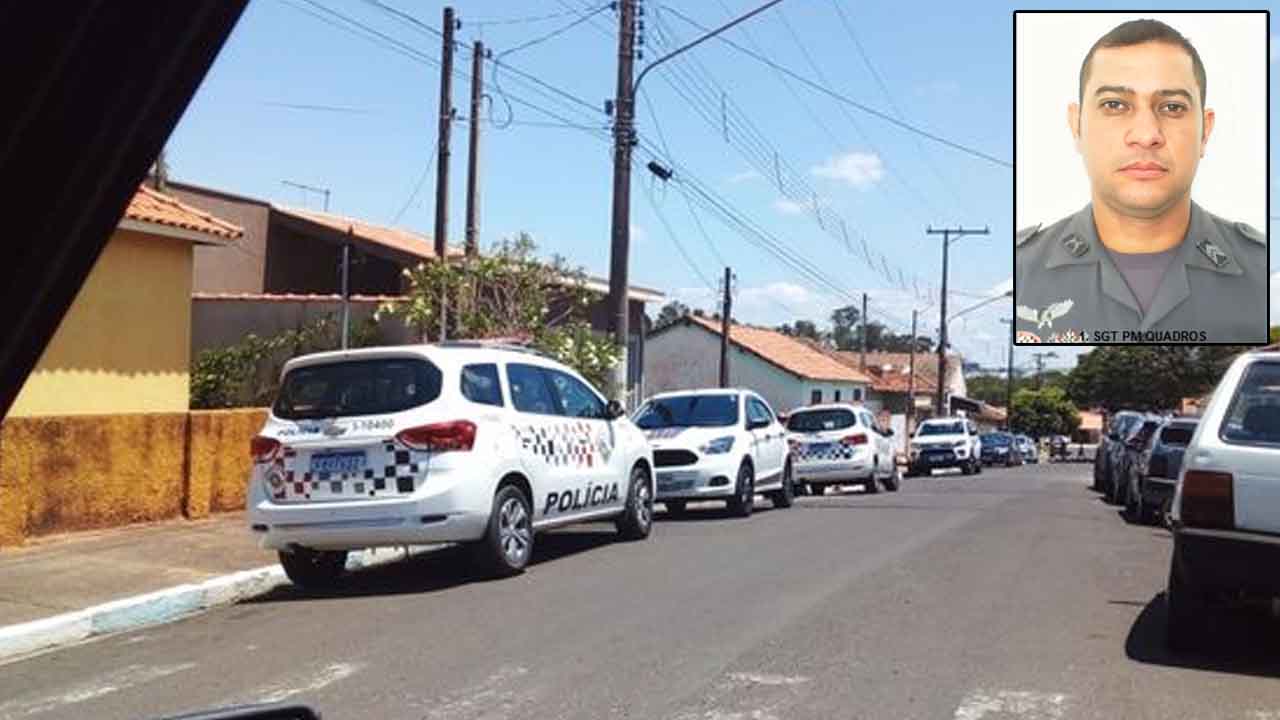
(676, 241)
(845, 99)
(554, 33)
(318, 108)
(522, 20)
(426, 170)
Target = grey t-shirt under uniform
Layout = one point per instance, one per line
(1143, 271)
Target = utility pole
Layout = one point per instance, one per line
(911, 376)
(862, 364)
(726, 309)
(442, 158)
(473, 151)
(947, 234)
(1040, 356)
(620, 234)
(1008, 392)
(346, 288)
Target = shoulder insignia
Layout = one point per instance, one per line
(1024, 235)
(1213, 252)
(1075, 245)
(1251, 233)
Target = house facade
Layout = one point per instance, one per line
(124, 345)
(785, 371)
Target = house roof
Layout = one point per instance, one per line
(784, 351)
(404, 241)
(1090, 420)
(156, 208)
(292, 297)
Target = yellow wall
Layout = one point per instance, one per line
(124, 345)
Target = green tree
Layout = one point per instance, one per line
(845, 330)
(1043, 412)
(670, 313)
(509, 293)
(1274, 335)
(1146, 377)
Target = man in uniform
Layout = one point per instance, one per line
(1141, 262)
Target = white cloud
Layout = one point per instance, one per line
(791, 207)
(861, 170)
(744, 176)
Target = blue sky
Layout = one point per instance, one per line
(944, 67)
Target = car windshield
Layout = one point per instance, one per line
(1254, 415)
(942, 428)
(995, 439)
(689, 411)
(365, 387)
(819, 420)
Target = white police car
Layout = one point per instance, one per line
(841, 444)
(455, 442)
(717, 445)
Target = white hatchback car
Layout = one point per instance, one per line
(455, 442)
(1225, 515)
(841, 444)
(722, 444)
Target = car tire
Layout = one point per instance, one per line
(784, 497)
(744, 492)
(507, 544)
(872, 485)
(675, 508)
(1185, 605)
(977, 467)
(313, 569)
(817, 490)
(636, 520)
(966, 468)
(895, 479)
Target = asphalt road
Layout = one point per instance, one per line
(1013, 594)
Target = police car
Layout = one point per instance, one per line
(455, 442)
(946, 442)
(717, 445)
(841, 444)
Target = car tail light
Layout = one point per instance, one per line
(1207, 500)
(440, 437)
(263, 449)
(859, 439)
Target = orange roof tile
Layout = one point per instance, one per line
(404, 241)
(293, 297)
(151, 206)
(786, 352)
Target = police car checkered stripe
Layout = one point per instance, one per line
(400, 473)
(570, 443)
(814, 452)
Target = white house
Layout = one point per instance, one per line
(785, 371)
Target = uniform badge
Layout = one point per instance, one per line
(1075, 245)
(1027, 337)
(1045, 318)
(1213, 252)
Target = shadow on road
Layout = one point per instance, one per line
(1242, 641)
(439, 570)
(710, 510)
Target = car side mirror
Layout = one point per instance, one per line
(614, 410)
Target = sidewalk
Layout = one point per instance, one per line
(59, 574)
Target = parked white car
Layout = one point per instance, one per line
(455, 442)
(721, 444)
(840, 444)
(1225, 515)
(945, 442)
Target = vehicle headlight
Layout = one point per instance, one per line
(719, 446)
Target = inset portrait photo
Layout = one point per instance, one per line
(1140, 180)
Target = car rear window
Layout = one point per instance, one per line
(689, 411)
(1254, 415)
(358, 387)
(1176, 435)
(819, 420)
(995, 439)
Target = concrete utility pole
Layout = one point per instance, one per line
(911, 375)
(947, 234)
(346, 288)
(623, 140)
(1008, 392)
(862, 364)
(473, 151)
(727, 308)
(1040, 357)
(442, 157)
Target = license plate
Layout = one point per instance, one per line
(821, 447)
(668, 482)
(339, 462)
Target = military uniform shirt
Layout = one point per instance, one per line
(1068, 289)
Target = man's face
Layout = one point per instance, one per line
(1140, 127)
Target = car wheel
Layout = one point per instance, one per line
(895, 479)
(637, 519)
(977, 466)
(508, 540)
(966, 468)
(674, 508)
(872, 485)
(786, 496)
(313, 569)
(744, 492)
(817, 490)
(1185, 611)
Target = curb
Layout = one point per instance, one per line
(164, 606)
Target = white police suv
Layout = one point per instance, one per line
(717, 444)
(454, 442)
(945, 442)
(841, 444)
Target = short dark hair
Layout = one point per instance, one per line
(1136, 32)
